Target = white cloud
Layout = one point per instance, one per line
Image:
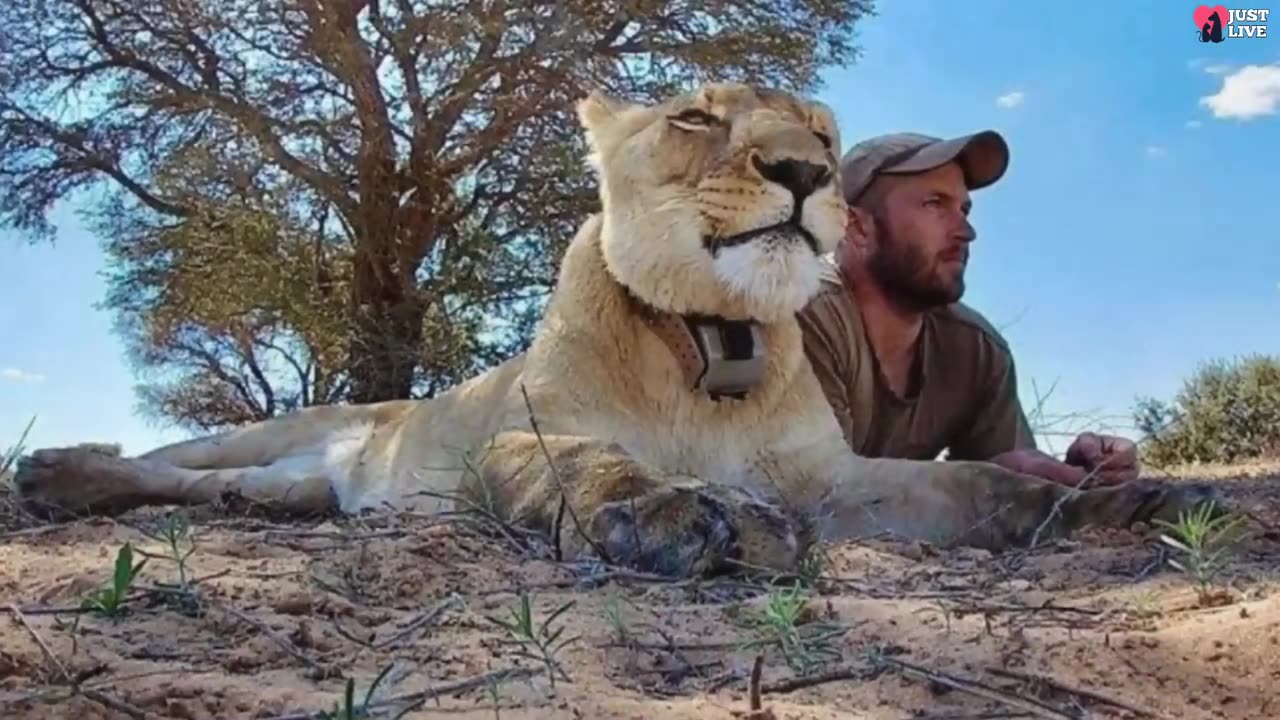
(1011, 99)
(19, 375)
(1250, 92)
(1218, 69)
(1157, 151)
(1193, 124)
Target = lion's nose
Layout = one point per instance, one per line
(800, 177)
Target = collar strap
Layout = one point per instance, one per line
(723, 358)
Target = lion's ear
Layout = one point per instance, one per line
(599, 108)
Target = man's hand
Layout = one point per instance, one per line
(1030, 461)
(1113, 460)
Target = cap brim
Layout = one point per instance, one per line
(984, 157)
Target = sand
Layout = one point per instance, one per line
(277, 615)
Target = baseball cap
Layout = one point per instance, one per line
(984, 157)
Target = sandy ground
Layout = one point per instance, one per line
(278, 615)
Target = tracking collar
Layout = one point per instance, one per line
(722, 358)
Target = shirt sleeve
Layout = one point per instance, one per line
(999, 422)
(828, 348)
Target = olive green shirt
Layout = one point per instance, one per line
(963, 395)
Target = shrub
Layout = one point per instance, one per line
(1226, 412)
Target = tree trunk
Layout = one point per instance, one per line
(387, 331)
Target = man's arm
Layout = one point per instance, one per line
(828, 349)
(1000, 433)
(999, 423)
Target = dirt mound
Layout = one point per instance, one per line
(268, 620)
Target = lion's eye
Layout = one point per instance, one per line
(694, 119)
(824, 138)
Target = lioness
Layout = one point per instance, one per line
(667, 382)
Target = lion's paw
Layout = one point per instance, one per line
(1168, 500)
(695, 531)
(77, 479)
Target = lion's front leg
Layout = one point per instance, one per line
(630, 512)
(984, 505)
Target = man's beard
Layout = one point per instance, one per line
(909, 278)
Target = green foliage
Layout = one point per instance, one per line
(9, 458)
(231, 318)
(786, 624)
(110, 600)
(536, 642)
(319, 202)
(1226, 412)
(348, 709)
(1205, 537)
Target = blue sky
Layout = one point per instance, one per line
(1131, 239)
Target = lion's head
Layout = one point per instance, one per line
(718, 201)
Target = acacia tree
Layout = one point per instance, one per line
(344, 188)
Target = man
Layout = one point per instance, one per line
(908, 369)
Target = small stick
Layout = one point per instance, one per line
(756, 669)
(33, 531)
(1010, 607)
(1092, 695)
(95, 695)
(837, 675)
(421, 621)
(757, 710)
(44, 647)
(420, 697)
(262, 628)
(671, 646)
(555, 474)
(117, 705)
(975, 688)
(66, 610)
(512, 531)
(558, 526)
(332, 535)
(263, 575)
(458, 686)
(1057, 506)
(210, 576)
(995, 715)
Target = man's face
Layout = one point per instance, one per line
(921, 235)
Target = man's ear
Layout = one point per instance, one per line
(860, 231)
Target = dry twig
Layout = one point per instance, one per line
(756, 709)
(262, 628)
(1057, 506)
(830, 676)
(420, 622)
(414, 700)
(974, 687)
(1058, 685)
(756, 668)
(564, 501)
(96, 695)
